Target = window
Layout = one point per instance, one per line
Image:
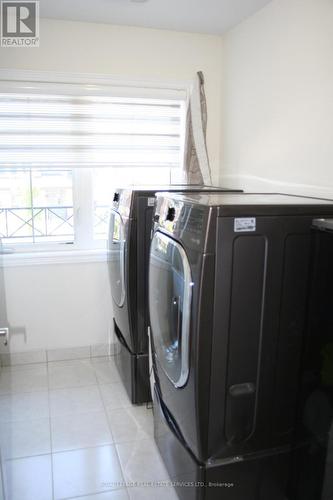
(65, 147)
(36, 206)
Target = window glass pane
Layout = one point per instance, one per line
(52, 188)
(103, 185)
(53, 205)
(15, 206)
(105, 180)
(14, 188)
(36, 206)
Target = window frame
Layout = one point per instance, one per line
(79, 84)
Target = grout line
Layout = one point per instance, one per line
(96, 378)
(20, 393)
(113, 438)
(75, 413)
(106, 445)
(96, 493)
(82, 448)
(73, 387)
(47, 388)
(65, 451)
(22, 366)
(2, 474)
(50, 429)
(69, 360)
(47, 360)
(105, 412)
(17, 368)
(37, 391)
(14, 459)
(70, 363)
(58, 415)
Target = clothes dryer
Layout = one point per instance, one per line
(228, 291)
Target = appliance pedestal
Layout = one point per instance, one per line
(133, 370)
(259, 477)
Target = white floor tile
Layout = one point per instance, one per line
(115, 396)
(25, 438)
(28, 478)
(80, 430)
(29, 406)
(84, 472)
(153, 493)
(29, 380)
(140, 462)
(132, 423)
(107, 372)
(77, 400)
(74, 374)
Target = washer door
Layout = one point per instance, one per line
(116, 258)
(170, 292)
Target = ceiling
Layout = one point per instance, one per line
(201, 16)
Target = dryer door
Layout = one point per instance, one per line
(116, 258)
(170, 291)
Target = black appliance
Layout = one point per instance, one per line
(128, 256)
(228, 290)
(312, 477)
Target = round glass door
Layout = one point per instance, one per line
(170, 291)
(116, 258)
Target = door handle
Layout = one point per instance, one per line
(4, 332)
(245, 389)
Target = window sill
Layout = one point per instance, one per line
(52, 257)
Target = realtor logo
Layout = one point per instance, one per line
(20, 24)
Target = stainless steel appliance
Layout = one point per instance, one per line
(228, 292)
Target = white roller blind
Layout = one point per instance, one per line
(53, 129)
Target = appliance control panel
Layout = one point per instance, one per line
(168, 213)
(181, 220)
(121, 201)
(171, 214)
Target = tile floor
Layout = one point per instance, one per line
(68, 430)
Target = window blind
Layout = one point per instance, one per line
(43, 130)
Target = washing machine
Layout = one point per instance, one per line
(128, 255)
(313, 457)
(228, 292)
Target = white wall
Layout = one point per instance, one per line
(128, 52)
(58, 305)
(277, 103)
(69, 305)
